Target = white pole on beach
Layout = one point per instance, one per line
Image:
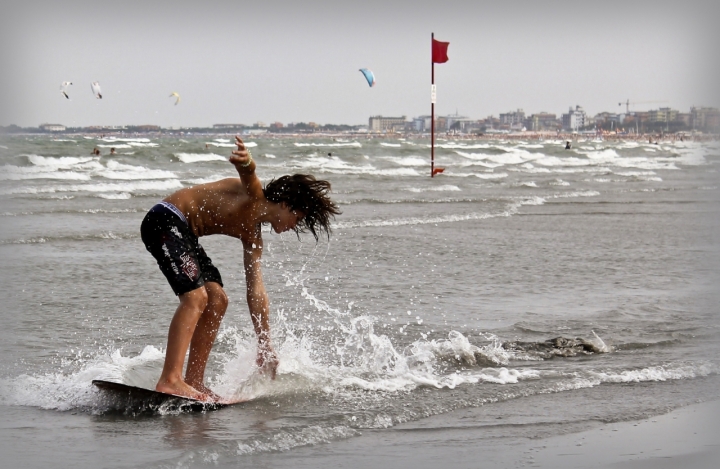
(432, 109)
(438, 54)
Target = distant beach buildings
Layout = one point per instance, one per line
(662, 120)
(515, 120)
(704, 119)
(387, 124)
(575, 119)
(52, 128)
(541, 122)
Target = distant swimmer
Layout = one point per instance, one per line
(64, 88)
(330, 154)
(112, 151)
(95, 86)
(95, 151)
(237, 207)
(567, 145)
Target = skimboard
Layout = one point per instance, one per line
(149, 398)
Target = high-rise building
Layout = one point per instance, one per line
(541, 121)
(512, 118)
(705, 118)
(387, 124)
(574, 119)
(664, 114)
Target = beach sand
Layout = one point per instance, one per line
(687, 438)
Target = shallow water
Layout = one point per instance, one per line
(435, 305)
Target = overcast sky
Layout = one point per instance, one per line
(292, 61)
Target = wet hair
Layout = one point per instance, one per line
(304, 193)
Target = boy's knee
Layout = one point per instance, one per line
(198, 298)
(217, 296)
(223, 300)
(219, 302)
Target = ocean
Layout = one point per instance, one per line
(526, 291)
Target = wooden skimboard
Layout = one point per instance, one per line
(141, 397)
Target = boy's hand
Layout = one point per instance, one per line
(241, 158)
(267, 359)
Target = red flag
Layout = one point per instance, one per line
(439, 51)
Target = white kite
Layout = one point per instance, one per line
(177, 96)
(96, 89)
(63, 88)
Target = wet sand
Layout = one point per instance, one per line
(687, 438)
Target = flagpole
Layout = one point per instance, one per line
(432, 109)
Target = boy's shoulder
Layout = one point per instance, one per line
(221, 186)
(252, 186)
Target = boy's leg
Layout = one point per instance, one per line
(204, 336)
(182, 328)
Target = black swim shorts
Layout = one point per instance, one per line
(176, 249)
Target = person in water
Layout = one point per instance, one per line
(234, 207)
(567, 145)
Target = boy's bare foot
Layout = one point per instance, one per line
(180, 388)
(207, 391)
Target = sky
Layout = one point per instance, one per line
(298, 61)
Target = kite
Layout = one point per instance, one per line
(369, 76)
(95, 86)
(177, 96)
(63, 88)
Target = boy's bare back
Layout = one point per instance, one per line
(222, 207)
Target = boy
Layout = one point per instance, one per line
(234, 207)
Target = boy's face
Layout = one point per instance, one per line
(287, 219)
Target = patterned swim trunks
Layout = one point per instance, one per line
(176, 249)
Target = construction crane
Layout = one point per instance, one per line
(628, 103)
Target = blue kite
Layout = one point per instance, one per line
(369, 76)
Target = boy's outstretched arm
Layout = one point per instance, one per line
(259, 305)
(245, 166)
